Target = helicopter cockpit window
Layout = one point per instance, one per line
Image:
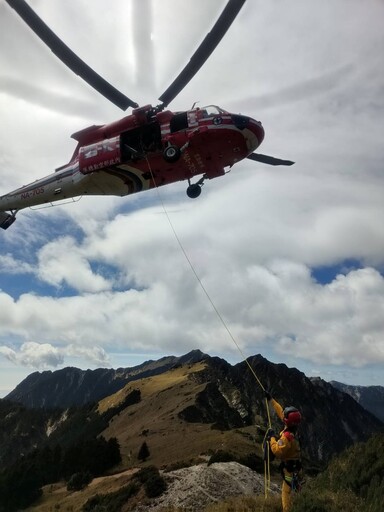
(211, 111)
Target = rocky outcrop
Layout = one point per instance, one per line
(196, 487)
(212, 407)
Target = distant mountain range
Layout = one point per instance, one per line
(74, 387)
(369, 397)
(189, 394)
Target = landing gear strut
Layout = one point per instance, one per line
(194, 189)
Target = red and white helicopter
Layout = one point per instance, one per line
(149, 148)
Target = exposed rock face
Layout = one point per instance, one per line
(332, 420)
(369, 397)
(196, 487)
(212, 407)
(20, 430)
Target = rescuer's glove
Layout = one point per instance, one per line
(270, 433)
(267, 394)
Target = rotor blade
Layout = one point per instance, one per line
(265, 159)
(205, 49)
(68, 57)
(143, 45)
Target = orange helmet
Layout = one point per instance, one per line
(292, 416)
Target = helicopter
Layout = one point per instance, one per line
(152, 146)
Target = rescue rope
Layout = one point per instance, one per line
(267, 463)
(267, 474)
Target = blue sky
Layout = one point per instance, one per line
(292, 258)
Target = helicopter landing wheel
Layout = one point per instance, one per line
(194, 191)
(171, 153)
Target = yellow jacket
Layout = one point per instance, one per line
(286, 447)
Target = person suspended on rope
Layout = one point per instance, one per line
(286, 448)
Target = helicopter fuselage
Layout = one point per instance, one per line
(144, 150)
(151, 147)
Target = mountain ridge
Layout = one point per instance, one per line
(369, 397)
(199, 392)
(72, 386)
(186, 410)
(227, 398)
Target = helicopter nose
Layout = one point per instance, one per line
(253, 130)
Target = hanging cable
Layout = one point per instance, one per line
(204, 289)
(267, 475)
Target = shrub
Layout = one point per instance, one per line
(313, 499)
(146, 473)
(79, 480)
(155, 486)
(154, 483)
(356, 474)
(111, 502)
(252, 461)
(143, 452)
(222, 456)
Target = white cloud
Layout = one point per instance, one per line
(11, 265)
(95, 355)
(61, 261)
(41, 356)
(315, 79)
(34, 355)
(339, 323)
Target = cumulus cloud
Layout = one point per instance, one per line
(34, 355)
(340, 323)
(337, 323)
(41, 356)
(253, 237)
(95, 355)
(61, 261)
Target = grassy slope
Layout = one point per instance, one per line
(171, 441)
(57, 494)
